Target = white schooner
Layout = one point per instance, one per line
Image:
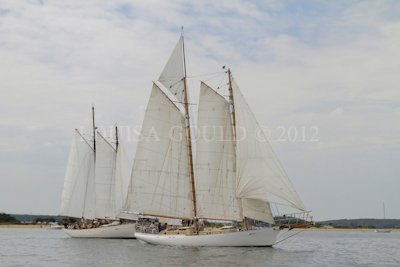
(94, 187)
(235, 176)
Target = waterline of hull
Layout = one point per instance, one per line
(383, 231)
(112, 231)
(265, 237)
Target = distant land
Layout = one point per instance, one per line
(342, 223)
(361, 223)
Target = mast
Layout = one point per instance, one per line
(189, 140)
(94, 157)
(116, 137)
(231, 100)
(94, 133)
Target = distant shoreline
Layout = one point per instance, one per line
(332, 229)
(312, 229)
(23, 226)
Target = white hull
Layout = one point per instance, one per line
(265, 237)
(58, 227)
(112, 231)
(383, 230)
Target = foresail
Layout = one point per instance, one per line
(257, 210)
(174, 72)
(215, 160)
(78, 198)
(105, 178)
(123, 170)
(160, 183)
(260, 174)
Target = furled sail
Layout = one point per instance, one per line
(260, 174)
(78, 197)
(105, 178)
(174, 72)
(160, 183)
(215, 160)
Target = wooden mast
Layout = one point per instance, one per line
(232, 102)
(116, 137)
(245, 219)
(94, 133)
(189, 140)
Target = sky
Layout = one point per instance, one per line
(322, 78)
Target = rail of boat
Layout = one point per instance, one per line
(153, 226)
(295, 220)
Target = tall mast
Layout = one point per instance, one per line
(116, 137)
(231, 100)
(187, 119)
(94, 156)
(94, 133)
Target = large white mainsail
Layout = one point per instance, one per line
(260, 174)
(160, 183)
(78, 197)
(172, 76)
(106, 156)
(215, 159)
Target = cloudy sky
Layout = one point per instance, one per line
(321, 76)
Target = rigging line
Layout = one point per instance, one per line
(205, 74)
(279, 241)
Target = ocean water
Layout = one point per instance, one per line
(41, 247)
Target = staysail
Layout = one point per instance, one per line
(260, 174)
(215, 160)
(160, 183)
(78, 197)
(257, 210)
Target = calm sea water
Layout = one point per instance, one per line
(40, 247)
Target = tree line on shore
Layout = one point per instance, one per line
(33, 219)
(342, 223)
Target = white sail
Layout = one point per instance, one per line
(78, 197)
(257, 209)
(260, 174)
(215, 160)
(160, 183)
(173, 73)
(123, 170)
(105, 178)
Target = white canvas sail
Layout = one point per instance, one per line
(78, 197)
(260, 174)
(123, 170)
(257, 209)
(215, 160)
(174, 72)
(160, 183)
(105, 178)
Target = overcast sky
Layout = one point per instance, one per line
(326, 69)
